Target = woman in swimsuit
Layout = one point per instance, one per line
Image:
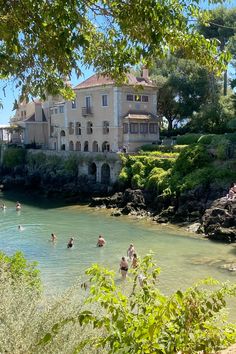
(135, 261)
(124, 267)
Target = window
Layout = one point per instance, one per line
(125, 128)
(86, 146)
(105, 127)
(153, 128)
(78, 146)
(88, 102)
(143, 128)
(56, 110)
(144, 98)
(137, 98)
(78, 128)
(73, 104)
(71, 128)
(130, 97)
(104, 100)
(71, 145)
(89, 128)
(134, 128)
(61, 109)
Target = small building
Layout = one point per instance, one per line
(31, 124)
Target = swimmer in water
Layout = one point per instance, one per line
(3, 206)
(18, 205)
(101, 242)
(20, 228)
(130, 252)
(53, 237)
(70, 243)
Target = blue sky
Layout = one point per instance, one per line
(10, 94)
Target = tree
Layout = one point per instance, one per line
(183, 87)
(221, 26)
(214, 116)
(42, 42)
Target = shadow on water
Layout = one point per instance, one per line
(34, 198)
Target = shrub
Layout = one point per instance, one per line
(193, 157)
(137, 181)
(138, 168)
(146, 321)
(13, 157)
(187, 139)
(155, 179)
(207, 139)
(18, 268)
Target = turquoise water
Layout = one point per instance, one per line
(183, 257)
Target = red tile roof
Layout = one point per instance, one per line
(100, 80)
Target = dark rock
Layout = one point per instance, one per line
(116, 213)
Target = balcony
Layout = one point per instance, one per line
(87, 111)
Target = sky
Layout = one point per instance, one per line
(9, 94)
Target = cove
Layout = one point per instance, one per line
(184, 258)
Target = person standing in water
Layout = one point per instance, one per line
(130, 252)
(70, 243)
(101, 241)
(135, 261)
(53, 237)
(124, 267)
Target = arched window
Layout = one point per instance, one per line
(63, 133)
(89, 128)
(86, 146)
(95, 146)
(71, 146)
(78, 146)
(78, 128)
(105, 146)
(63, 147)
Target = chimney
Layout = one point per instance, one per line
(38, 112)
(145, 73)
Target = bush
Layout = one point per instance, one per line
(155, 179)
(137, 182)
(187, 139)
(18, 268)
(146, 321)
(13, 157)
(207, 139)
(193, 157)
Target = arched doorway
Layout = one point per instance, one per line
(95, 146)
(92, 172)
(71, 146)
(105, 146)
(105, 174)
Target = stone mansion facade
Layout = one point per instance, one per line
(103, 117)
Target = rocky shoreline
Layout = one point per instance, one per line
(213, 218)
